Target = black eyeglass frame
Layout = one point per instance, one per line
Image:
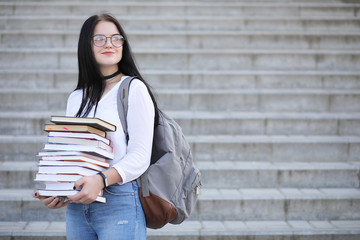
(106, 38)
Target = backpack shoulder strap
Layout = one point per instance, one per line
(122, 103)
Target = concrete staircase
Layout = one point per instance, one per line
(267, 92)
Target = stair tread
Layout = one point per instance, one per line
(206, 115)
(187, 3)
(219, 139)
(201, 72)
(297, 91)
(195, 32)
(202, 228)
(223, 165)
(207, 194)
(185, 18)
(193, 51)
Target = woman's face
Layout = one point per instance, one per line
(107, 56)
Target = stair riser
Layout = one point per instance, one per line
(217, 151)
(195, 61)
(280, 178)
(161, 10)
(306, 152)
(220, 210)
(203, 126)
(191, 41)
(195, 24)
(19, 180)
(215, 236)
(250, 236)
(227, 101)
(61, 80)
(291, 209)
(32, 236)
(32, 210)
(235, 179)
(270, 126)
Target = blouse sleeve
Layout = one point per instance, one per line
(140, 121)
(73, 103)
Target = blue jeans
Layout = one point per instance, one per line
(121, 217)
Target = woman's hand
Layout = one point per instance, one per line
(52, 202)
(90, 189)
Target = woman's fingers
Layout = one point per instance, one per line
(52, 202)
(90, 189)
(57, 202)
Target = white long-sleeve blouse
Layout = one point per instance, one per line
(132, 159)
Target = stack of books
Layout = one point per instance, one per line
(76, 147)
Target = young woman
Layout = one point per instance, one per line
(105, 59)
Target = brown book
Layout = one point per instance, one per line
(74, 128)
(93, 122)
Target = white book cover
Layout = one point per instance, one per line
(81, 148)
(67, 170)
(69, 153)
(80, 141)
(75, 159)
(57, 177)
(65, 193)
(59, 186)
(71, 163)
(80, 135)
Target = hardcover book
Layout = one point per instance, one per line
(67, 170)
(79, 141)
(73, 157)
(64, 193)
(57, 177)
(93, 122)
(73, 128)
(71, 163)
(83, 148)
(76, 135)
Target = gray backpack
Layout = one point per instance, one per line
(169, 188)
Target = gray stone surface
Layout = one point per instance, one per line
(267, 94)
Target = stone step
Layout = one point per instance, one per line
(172, 79)
(278, 204)
(18, 175)
(275, 148)
(242, 204)
(211, 22)
(253, 100)
(215, 123)
(279, 174)
(195, 59)
(210, 230)
(193, 39)
(225, 148)
(248, 8)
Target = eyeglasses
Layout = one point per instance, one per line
(100, 40)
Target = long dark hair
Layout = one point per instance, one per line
(90, 78)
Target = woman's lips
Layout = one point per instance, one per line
(107, 53)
